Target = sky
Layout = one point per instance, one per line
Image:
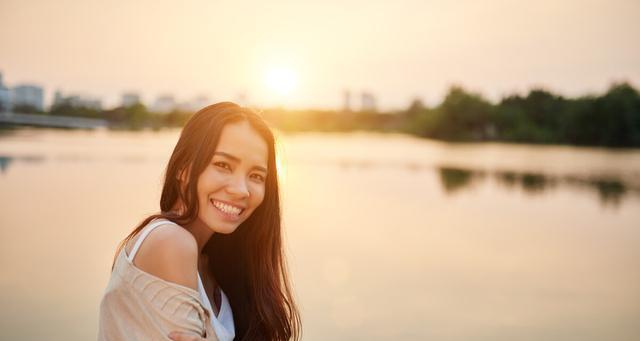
(305, 54)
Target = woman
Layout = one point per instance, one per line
(210, 264)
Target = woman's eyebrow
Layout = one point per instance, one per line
(237, 159)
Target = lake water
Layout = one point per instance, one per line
(389, 237)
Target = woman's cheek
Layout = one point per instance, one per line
(259, 193)
(217, 178)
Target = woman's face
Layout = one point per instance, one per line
(232, 186)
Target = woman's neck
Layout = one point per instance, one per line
(198, 229)
(201, 232)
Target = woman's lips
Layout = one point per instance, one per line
(227, 211)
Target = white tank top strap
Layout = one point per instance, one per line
(223, 322)
(145, 232)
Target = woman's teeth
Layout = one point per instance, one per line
(226, 208)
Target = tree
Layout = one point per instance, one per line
(26, 109)
(68, 109)
(612, 120)
(462, 116)
(137, 115)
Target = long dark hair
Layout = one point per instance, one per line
(248, 264)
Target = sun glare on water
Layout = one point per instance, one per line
(281, 80)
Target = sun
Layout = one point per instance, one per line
(281, 80)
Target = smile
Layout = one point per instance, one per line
(227, 208)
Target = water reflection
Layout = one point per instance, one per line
(611, 191)
(455, 179)
(10, 160)
(531, 183)
(6, 160)
(455, 228)
(4, 163)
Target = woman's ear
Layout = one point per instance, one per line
(182, 179)
(183, 175)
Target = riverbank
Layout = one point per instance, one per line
(609, 120)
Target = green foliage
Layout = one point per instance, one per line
(175, 118)
(137, 115)
(132, 117)
(67, 109)
(462, 116)
(26, 109)
(534, 118)
(611, 120)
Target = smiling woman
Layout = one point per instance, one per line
(210, 264)
(241, 152)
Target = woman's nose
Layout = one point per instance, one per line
(238, 187)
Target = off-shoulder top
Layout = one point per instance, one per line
(140, 306)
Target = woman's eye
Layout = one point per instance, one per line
(222, 165)
(258, 177)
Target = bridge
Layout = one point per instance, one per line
(10, 118)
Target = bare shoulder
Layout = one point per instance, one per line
(170, 252)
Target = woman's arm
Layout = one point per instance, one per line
(179, 336)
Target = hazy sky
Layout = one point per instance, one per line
(396, 49)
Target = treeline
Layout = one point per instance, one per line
(133, 117)
(611, 119)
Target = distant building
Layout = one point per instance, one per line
(5, 96)
(87, 102)
(368, 102)
(28, 95)
(130, 99)
(164, 104)
(76, 101)
(347, 101)
(58, 99)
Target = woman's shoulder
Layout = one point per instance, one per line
(170, 252)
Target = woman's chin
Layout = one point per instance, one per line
(223, 227)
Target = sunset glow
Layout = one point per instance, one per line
(297, 59)
(280, 80)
